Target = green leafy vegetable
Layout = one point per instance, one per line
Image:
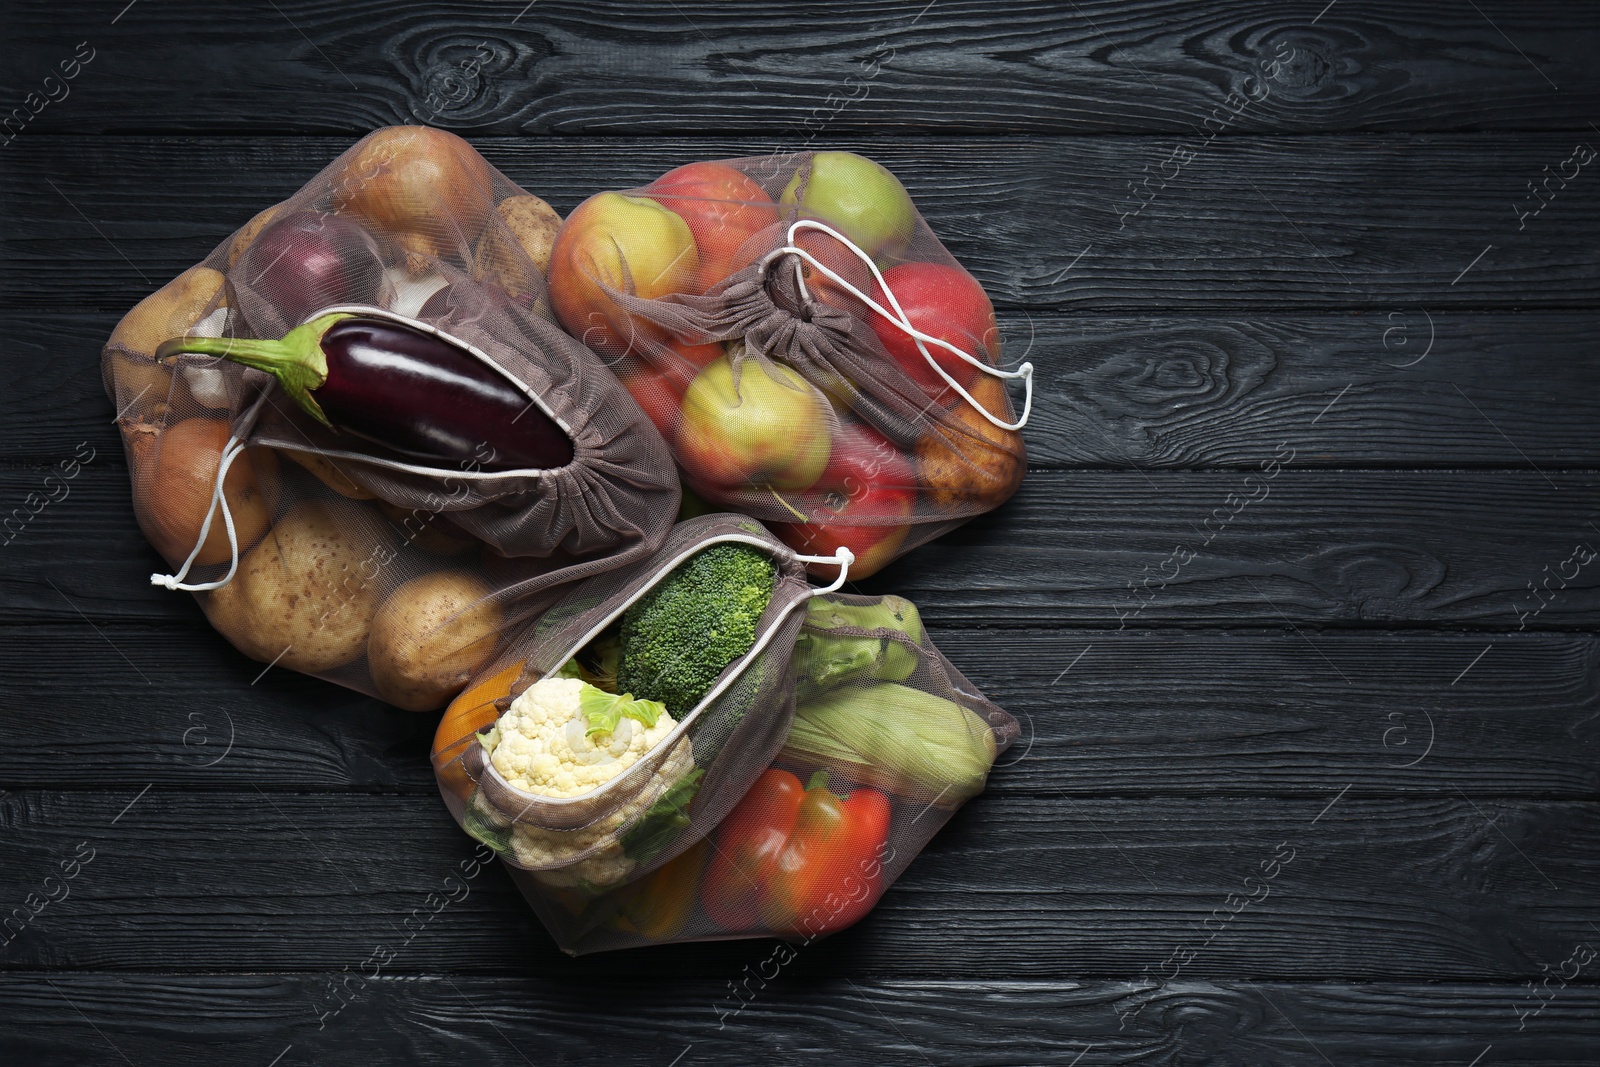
(604, 711)
(661, 823)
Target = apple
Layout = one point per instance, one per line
(863, 501)
(757, 424)
(662, 403)
(723, 208)
(945, 302)
(855, 196)
(829, 252)
(631, 244)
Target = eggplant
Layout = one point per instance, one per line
(403, 387)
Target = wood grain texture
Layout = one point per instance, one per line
(1383, 888)
(884, 67)
(1153, 713)
(1335, 548)
(1383, 223)
(444, 1021)
(1374, 389)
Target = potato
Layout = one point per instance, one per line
(329, 474)
(247, 236)
(967, 463)
(534, 224)
(429, 638)
(170, 311)
(528, 234)
(305, 596)
(426, 530)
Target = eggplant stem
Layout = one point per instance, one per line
(297, 361)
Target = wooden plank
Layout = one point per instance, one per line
(567, 1016)
(1367, 888)
(1161, 712)
(955, 66)
(1250, 223)
(1374, 389)
(1345, 548)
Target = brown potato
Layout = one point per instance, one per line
(534, 224)
(305, 596)
(251, 230)
(966, 463)
(329, 473)
(429, 638)
(425, 530)
(170, 311)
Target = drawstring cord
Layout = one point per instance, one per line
(230, 452)
(842, 558)
(901, 320)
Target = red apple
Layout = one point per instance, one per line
(863, 501)
(947, 303)
(723, 208)
(655, 394)
(758, 424)
(631, 244)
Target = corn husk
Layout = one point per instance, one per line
(893, 737)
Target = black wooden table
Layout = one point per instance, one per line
(1294, 604)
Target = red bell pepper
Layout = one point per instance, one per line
(797, 859)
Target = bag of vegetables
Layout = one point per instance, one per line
(356, 432)
(641, 764)
(814, 355)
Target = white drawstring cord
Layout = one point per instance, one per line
(230, 452)
(842, 558)
(902, 321)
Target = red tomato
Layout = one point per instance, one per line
(722, 207)
(947, 303)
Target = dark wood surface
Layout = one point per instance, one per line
(1353, 667)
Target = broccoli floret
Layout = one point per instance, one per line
(678, 637)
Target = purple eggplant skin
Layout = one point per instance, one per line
(406, 389)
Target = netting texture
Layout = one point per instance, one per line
(395, 550)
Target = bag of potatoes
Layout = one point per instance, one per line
(357, 434)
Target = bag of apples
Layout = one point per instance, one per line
(703, 746)
(811, 351)
(356, 433)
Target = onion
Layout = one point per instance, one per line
(302, 263)
(174, 473)
(427, 189)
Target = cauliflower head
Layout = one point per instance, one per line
(563, 737)
(604, 860)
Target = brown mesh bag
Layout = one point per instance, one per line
(748, 817)
(811, 351)
(359, 437)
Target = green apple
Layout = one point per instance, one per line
(758, 424)
(855, 196)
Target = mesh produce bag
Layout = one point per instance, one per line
(357, 434)
(748, 818)
(814, 355)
